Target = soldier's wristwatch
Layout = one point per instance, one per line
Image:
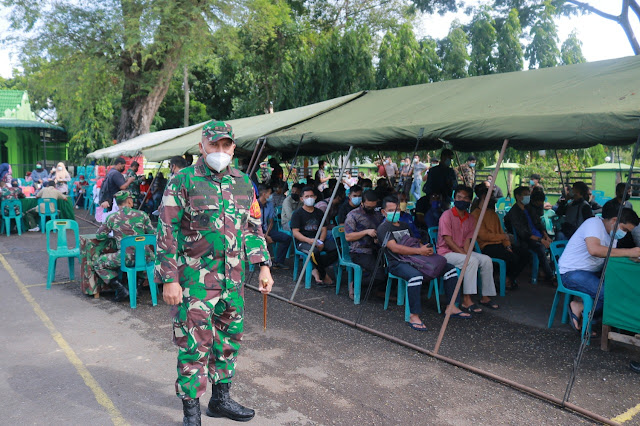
(266, 263)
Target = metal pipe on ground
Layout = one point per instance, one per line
(518, 386)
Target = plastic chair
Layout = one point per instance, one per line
(9, 207)
(504, 203)
(297, 256)
(62, 248)
(47, 207)
(354, 271)
(278, 223)
(81, 171)
(403, 292)
(502, 268)
(139, 242)
(88, 197)
(557, 248)
(501, 215)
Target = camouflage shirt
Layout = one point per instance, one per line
(124, 223)
(134, 187)
(209, 224)
(10, 193)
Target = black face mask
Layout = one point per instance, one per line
(626, 197)
(369, 210)
(295, 197)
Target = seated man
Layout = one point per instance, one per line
(494, 242)
(575, 212)
(291, 204)
(278, 194)
(125, 222)
(14, 192)
(352, 202)
(403, 255)
(455, 231)
(360, 231)
(621, 197)
(305, 223)
(272, 235)
(583, 258)
(528, 228)
(432, 218)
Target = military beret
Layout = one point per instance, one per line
(122, 196)
(216, 130)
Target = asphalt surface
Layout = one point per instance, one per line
(67, 358)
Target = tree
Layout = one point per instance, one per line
(140, 42)
(571, 51)
(482, 34)
(453, 53)
(543, 49)
(510, 54)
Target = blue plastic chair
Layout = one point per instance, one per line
(501, 214)
(47, 207)
(297, 256)
(88, 197)
(403, 292)
(139, 242)
(62, 248)
(535, 262)
(354, 271)
(504, 203)
(8, 211)
(502, 269)
(81, 171)
(557, 248)
(278, 223)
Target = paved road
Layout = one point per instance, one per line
(71, 359)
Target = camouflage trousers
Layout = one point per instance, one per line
(107, 266)
(208, 333)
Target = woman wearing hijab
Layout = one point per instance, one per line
(5, 173)
(61, 178)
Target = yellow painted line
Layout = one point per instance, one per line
(100, 395)
(627, 415)
(43, 284)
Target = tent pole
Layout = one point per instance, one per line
(585, 331)
(562, 191)
(464, 180)
(257, 161)
(383, 246)
(253, 155)
(471, 246)
(324, 218)
(295, 158)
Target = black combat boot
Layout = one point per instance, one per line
(191, 410)
(121, 291)
(221, 405)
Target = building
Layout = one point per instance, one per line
(23, 139)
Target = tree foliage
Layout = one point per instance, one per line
(571, 51)
(482, 35)
(543, 51)
(453, 51)
(510, 53)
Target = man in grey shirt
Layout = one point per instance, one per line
(290, 204)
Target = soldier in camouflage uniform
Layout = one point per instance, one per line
(134, 187)
(125, 222)
(209, 225)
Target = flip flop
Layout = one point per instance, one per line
(490, 304)
(461, 315)
(471, 309)
(416, 326)
(574, 317)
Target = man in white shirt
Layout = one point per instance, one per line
(583, 258)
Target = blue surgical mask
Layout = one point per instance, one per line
(393, 217)
(356, 201)
(472, 164)
(620, 234)
(531, 182)
(526, 199)
(270, 198)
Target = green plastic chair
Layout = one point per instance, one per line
(49, 209)
(139, 242)
(8, 209)
(88, 197)
(62, 250)
(354, 271)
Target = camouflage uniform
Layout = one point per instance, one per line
(10, 193)
(209, 225)
(134, 187)
(467, 174)
(123, 223)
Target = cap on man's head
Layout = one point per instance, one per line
(121, 196)
(216, 130)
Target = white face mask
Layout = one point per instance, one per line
(309, 202)
(59, 169)
(218, 161)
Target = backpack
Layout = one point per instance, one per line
(430, 266)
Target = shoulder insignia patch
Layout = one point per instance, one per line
(255, 208)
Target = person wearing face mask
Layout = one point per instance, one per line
(291, 204)
(209, 224)
(441, 179)
(418, 171)
(391, 170)
(80, 189)
(352, 202)
(455, 230)
(271, 234)
(581, 263)
(575, 212)
(134, 187)
(39, 174)
(360, 227)
(114, 182)
(531, 234)
(534, 182)
(406, 176)
(305, 223)
(61, 178)
(467, 171)
(621, 197)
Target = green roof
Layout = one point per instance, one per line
(8, 122)
(612, 166)
(10, 99)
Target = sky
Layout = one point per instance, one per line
(601, 38)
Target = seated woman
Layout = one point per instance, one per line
(494, 242)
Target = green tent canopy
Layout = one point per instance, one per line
(573, 106)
